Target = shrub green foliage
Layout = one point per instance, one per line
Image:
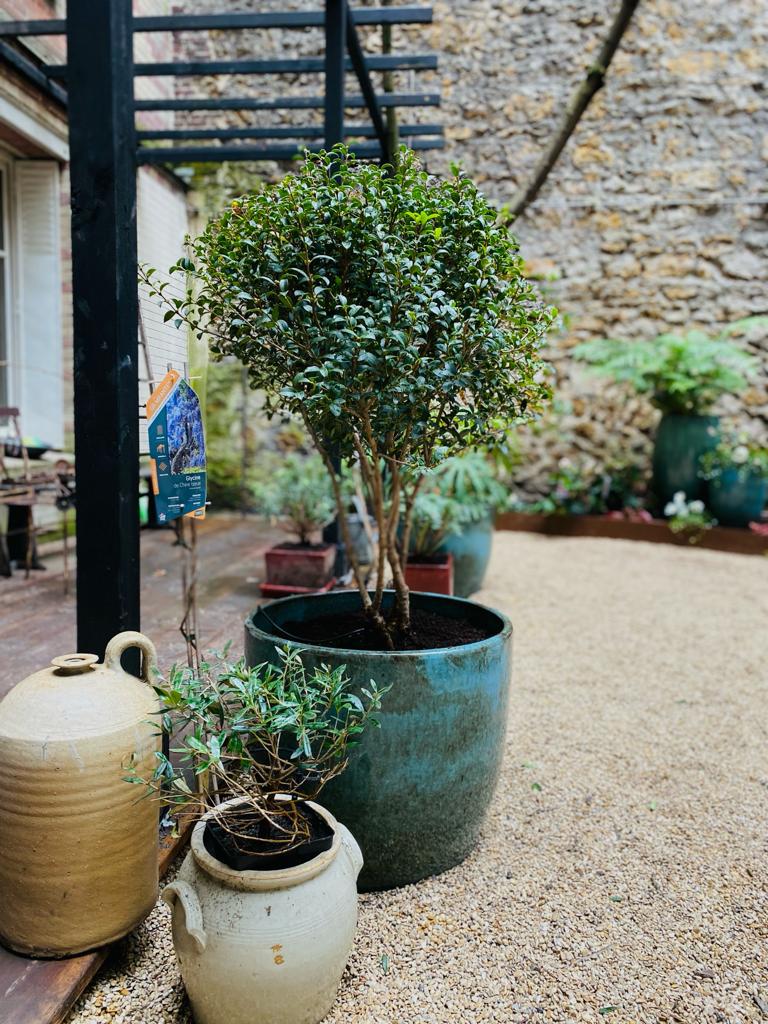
(680, 373)
(735, 450)
(298, 494)
(259, 733)
(461, 490)
(387, 309)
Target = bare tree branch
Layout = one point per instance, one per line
(578, 103)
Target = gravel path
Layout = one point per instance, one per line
(622, 875)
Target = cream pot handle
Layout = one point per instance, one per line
(122, 642)
(351, 848)
(193, 914)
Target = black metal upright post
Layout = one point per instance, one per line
(335, 58)
(102, 143)
(335, 61)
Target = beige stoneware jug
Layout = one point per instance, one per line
(78, 845)
(265, 947)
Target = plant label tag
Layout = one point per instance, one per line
(177, 449)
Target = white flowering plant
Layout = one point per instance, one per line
(688, 517)
(735, 450)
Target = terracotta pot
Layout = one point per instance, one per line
(300, 567)
(78, 847)
(264, 947)
(434, 577)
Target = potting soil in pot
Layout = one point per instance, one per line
(247, 841)
(352, 630)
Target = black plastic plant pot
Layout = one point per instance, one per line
(416, 790)
(215, 841)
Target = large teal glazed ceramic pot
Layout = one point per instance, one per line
(416, 791)
(680, 442)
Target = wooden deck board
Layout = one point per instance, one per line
(37, 621)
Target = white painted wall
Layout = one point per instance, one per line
(162, 226)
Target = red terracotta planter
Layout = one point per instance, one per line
(433, 577)
(310, 567)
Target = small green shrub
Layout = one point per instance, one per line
(461, 490)
(297, 495)
(735, 450)
(260, 733)
(578, 489)
(690, 518)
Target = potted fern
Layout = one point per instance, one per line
(684, 376)
(388, 310)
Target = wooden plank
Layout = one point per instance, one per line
(44, 991)
(719, 538)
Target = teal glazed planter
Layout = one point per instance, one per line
(680, 443)
(737, 500)
(471, 550)
(416, 790)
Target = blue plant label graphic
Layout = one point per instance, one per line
(177, 449)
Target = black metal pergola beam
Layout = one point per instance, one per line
(32, 73)
(279, 66)
(102, 147)
(207, 22)
(365, 131)
(385, 99)
(217, 154)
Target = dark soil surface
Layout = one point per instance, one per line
(251, 843)
(295, 545)
(429, 631)
(418, 559)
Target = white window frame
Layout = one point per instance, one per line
(10, 267)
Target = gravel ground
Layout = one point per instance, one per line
(622, 874)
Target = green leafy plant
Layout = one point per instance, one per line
(297, 495)
(735, 450)
(435, 517)
(270, 735)
(461, 490)
(389, 311)
(688, 517)
(680, 373)
(577, 489)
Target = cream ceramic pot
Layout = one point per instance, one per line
(265, 947)
(78, 845)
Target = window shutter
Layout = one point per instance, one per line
(40, 339)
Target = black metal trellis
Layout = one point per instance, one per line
(105, 149)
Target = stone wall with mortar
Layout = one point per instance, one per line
(656, 216)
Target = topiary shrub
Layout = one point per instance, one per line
(388, 310)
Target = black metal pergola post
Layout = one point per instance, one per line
(105, 317)
(105, 152)
(335, 71)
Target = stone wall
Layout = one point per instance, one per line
(655, 216)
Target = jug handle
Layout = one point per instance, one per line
(193, 914)
(122, 642)
(352, 849)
